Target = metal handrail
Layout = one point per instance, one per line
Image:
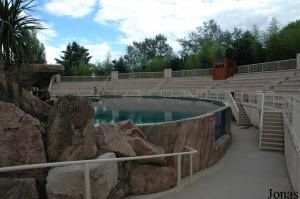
(234, 107)
(86, 163)
(261, 119)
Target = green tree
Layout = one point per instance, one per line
(246, 50)
(140, 54)
(286, 42)
(158, 64)
(15, 27)
(120, 65)
(36, 53)
(83, 69)
(72, 56)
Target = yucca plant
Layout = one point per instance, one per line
(16, 23)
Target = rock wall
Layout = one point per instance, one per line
(71, 135)
(198, 133)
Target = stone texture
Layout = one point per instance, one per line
(116, 193)
(20, 137)
(71, 131)
(109, 137)
(18, 188)
(197, 133)
(68, 181)
(31, 104)
(146, 179)
(143, 148)
(130, 129)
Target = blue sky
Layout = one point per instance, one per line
(105, 26)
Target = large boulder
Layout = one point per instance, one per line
(20, 137)
(110, 138)
(18, 188)
(143, 148)
(130, 129)
(71, 131)
(68, 181)
(146, 179)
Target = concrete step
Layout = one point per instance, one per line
(243, 123)
(272, 114)
(272, 148)
(280, 132)
(272, 135)
(272, 144)
(273, 120)
(272, 140)
(276, 128)
(268, 123)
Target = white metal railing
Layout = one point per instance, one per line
(51, 83)
(233, 105)
(141, 75)
(105, 82)
(86, 164)
(268, 66)
(261, 125)
(82, 78)
(195, 72)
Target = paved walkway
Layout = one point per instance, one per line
(245, 172)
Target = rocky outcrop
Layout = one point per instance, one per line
(30, 103)
(146, 179)
(18, 188)
(68, 181)
(130, 129)
(20, 137)
(143, 148)
(71, 132)
(111, 138)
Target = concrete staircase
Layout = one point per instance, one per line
(272, 137)
(243, 118)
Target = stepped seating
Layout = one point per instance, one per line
(74, 87)
(201, 82)
(289, 85)
(272, 137)
(277, 81)
(133, 84)
(253, 81)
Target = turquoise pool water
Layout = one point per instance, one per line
(149, 110)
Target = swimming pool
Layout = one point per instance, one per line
(150, 110)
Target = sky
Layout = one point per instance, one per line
(104, 26)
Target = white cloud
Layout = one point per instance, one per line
(138, 19)
(97, 51)
(73, 8)
(46, 34)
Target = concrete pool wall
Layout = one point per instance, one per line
(198, 133)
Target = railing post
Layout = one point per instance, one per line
(191, 167)
(87, 181)
(178, 171)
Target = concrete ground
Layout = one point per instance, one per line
(245, 172)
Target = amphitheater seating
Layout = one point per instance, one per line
(277, 81)
(290, 84)
(132, 84)
(253, 81)
(76, 87)
(200, 83)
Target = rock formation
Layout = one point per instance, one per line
(68, 181)
(71, 132)
(18, 188)
(146, 179)
(20, 137)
